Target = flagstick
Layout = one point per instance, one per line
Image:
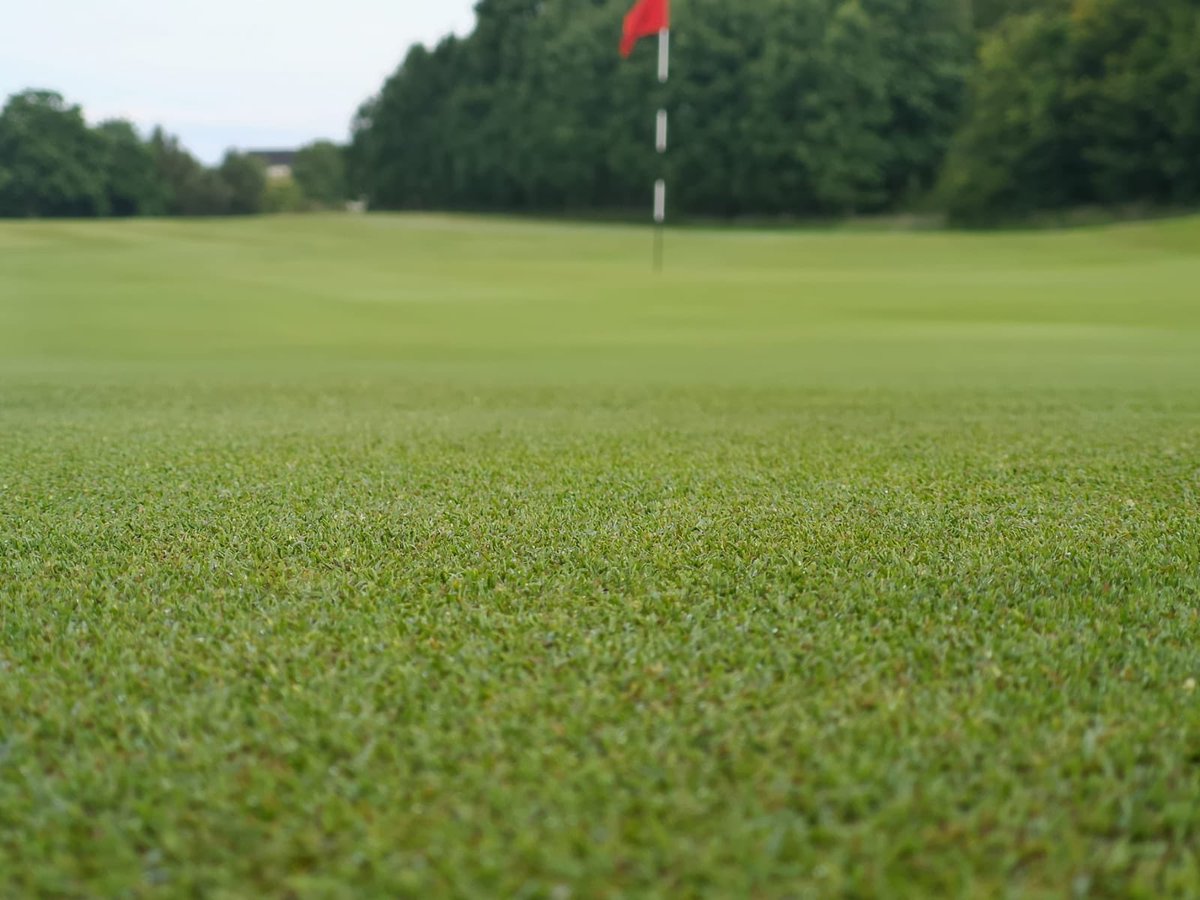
(660, 215)
(660, 144)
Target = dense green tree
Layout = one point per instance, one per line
(987, 14)
(189, 188)
(846, 149)
(398, 156)
(1019, 149)
(1135, 82)
(48, 159)
(320, 172)
(1098, 104)
(245, 177)
(283, 195)
(132, 185)
(778, 106)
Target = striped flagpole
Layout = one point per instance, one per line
(660, 145)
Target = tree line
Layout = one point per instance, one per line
(53, 164)
(1091, 102)
(985, 109)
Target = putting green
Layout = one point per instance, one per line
(423, 556)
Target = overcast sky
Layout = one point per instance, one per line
(219, 73)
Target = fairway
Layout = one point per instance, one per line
(428, 556)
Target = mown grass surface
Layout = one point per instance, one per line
(425, 557)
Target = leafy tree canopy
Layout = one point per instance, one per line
(47, 156)
(320, 172)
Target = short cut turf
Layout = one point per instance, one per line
(403, 556)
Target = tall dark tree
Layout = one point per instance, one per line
(132, 185)
(1136, 86)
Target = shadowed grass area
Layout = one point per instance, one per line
(415, 556)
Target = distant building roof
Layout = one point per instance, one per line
(274, 157)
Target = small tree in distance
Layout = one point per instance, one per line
(283, 195)
(320, 171)
(246, 179)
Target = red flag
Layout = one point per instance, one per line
(648, 17)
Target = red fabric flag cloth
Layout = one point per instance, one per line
(647, 18)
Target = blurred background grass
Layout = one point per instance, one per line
(429, 297)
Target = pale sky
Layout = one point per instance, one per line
(219, 73)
